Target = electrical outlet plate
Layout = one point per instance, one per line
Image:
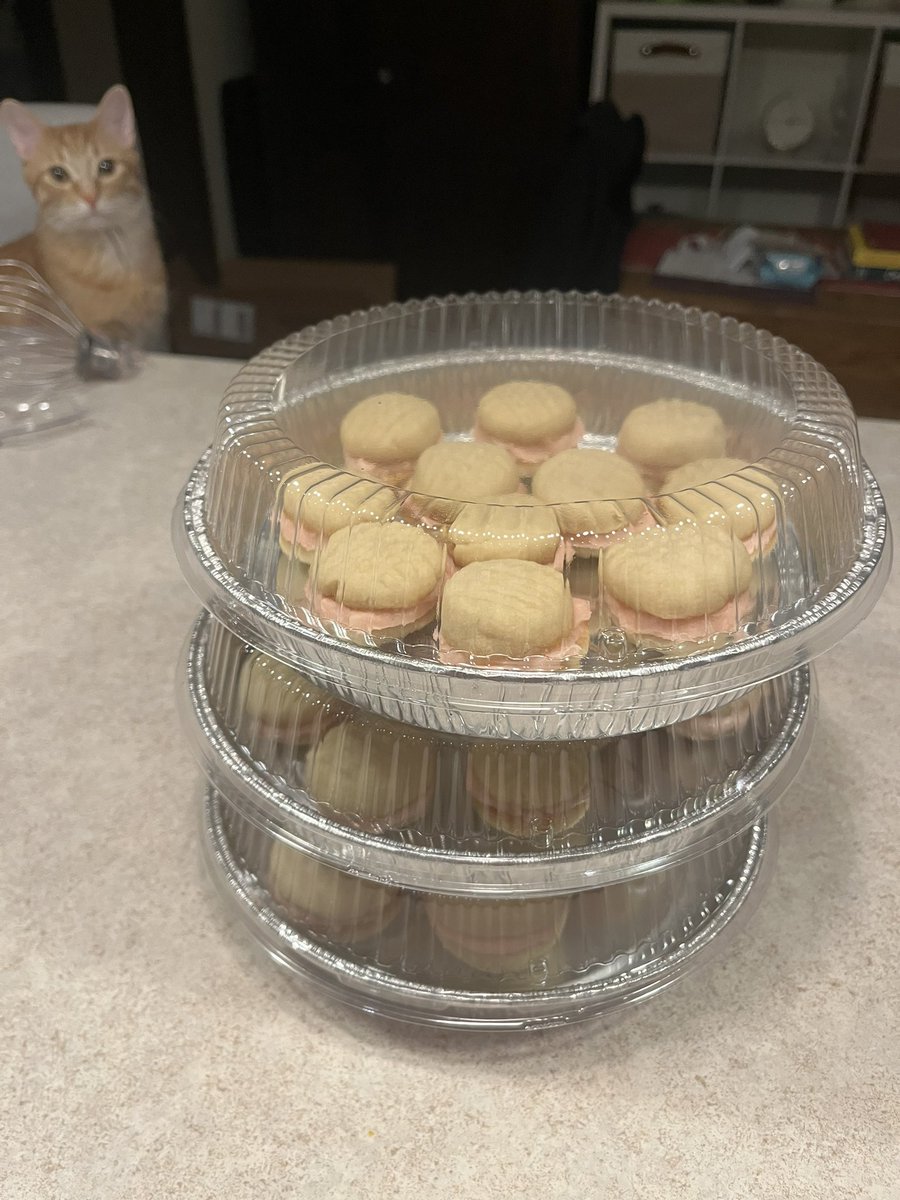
(224, 320)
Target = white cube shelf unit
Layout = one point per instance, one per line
(765, 114)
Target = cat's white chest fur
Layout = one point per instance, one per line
(123, 249)
(114, 252)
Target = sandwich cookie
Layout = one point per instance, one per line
(459, 471)
(596, 497)
(530, 419)
(498, 936)
(327, 901)
(666, 434)
(383, 436)
(512, 615)
(511, 526)
(373, 774)
(654, 771)
(377, 582)
(530, 791)
(318, 501)
(727, 489)
(677, 586)
(279, 706)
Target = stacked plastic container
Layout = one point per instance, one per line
(511, 601)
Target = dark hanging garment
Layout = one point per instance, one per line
(582, 234)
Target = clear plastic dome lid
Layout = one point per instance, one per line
(467, 816)
(477, 963)
(535, 515)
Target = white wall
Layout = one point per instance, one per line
(219, 37)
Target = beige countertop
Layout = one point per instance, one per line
(148, 1051)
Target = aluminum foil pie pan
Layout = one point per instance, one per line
(653, 800)
(603, 955)
(589, 702)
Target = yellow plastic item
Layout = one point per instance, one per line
(864, 255)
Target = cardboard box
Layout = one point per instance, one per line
(259, 300)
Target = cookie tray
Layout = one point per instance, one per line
(608, 955)
(370, 586)
(655, 799)
(589, 702)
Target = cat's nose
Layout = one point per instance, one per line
(89, 198)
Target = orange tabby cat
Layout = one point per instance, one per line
(95, 243)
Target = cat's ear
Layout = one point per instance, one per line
(115, 116)
(23, 127)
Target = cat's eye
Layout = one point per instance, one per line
(59, 173)
(105, 166)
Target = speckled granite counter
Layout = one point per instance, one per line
(150, 1054)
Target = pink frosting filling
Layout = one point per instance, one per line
(368, 620)
(296, 533)
(682, 629)
(424, 519)
(600, 541)
(548, 660)
(535, 452)
(759, 543)
(493, 807)
(368, 466)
